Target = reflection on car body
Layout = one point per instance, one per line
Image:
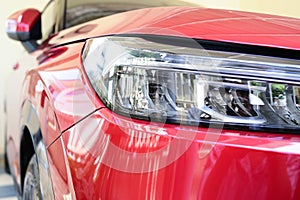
(153, 100)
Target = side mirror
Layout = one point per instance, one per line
(25, 26)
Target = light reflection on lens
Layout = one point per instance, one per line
(135, 77)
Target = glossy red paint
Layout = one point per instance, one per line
(57, 91)
(94, 153)
(128, 161)
(59, 77)
(201, 23)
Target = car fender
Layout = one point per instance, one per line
(55, 97)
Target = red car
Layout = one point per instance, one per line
(163, 102)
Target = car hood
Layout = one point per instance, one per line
(200, 23)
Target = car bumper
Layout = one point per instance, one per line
(113, 157)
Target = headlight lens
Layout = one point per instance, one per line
(175, 80)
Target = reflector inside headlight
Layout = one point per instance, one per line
(177, 81)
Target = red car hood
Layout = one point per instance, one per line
(201, 23)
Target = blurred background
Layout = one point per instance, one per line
(11, 50)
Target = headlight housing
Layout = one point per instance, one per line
(176, 80)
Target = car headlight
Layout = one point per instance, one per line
(176, 80)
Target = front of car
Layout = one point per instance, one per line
(169, 103)
(206, 107)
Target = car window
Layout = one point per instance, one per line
(79, 11)
(52, 18)
(48, 20)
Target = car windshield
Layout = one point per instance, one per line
(79, 11)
